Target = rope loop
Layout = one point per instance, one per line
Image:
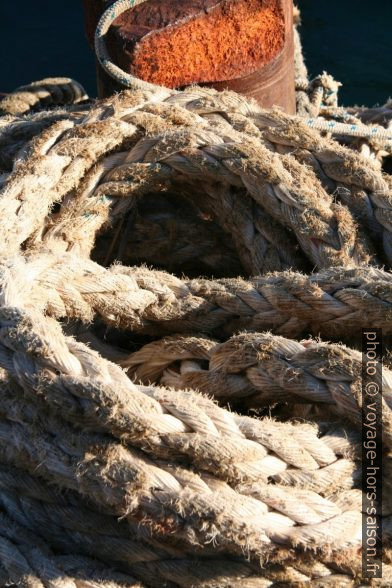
(104, 24)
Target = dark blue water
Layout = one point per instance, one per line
(352, 40)
(40, 38)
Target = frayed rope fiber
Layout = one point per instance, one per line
(160, 430)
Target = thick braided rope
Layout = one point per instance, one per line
(289, 476)
(42, 94)
(321, 453)
(370, 177)
(356, 181)
(282, 187)
(264, 368)
(37, 517)
(16, 132)
(111, 134)
(95, 393)
(353, 115)
(26, 560)
(334, 303)
(47, 513)
(65, 519)
(59, 519)
(168, 499)
(356, 207)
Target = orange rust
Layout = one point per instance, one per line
(229, 40)
(242, 45)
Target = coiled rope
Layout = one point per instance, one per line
(151, 482)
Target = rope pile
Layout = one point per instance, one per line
(122, 462)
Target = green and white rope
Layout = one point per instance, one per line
(105, 22)
(130, 81)
(353, 130)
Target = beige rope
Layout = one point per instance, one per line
(311, 452)
(162, 420)
(44, 93)
(69, 524)
(335, 302)
(209, 102)
(266, 369)
(189, 479)
(48, 516)
(284, 188)
(132, 486)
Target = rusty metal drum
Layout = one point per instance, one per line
(241, 45)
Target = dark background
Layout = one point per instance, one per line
(350, 39)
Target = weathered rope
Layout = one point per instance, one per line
(326, 164)
(68, 525)
(132, 486)
(111, 136)
(161, 420)
(334, 303)
(41, 94)
(48, 514)
(357, 182)
(13, 452)
(264, 369)
(281, 186)
(203, 493)
(16, 132)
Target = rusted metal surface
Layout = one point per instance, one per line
(242, 45)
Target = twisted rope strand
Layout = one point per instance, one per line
(41, 94)
(265, 368)
(17, 132)
(279, 184)
(120, 480)
(154, 419)
(334, 303)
